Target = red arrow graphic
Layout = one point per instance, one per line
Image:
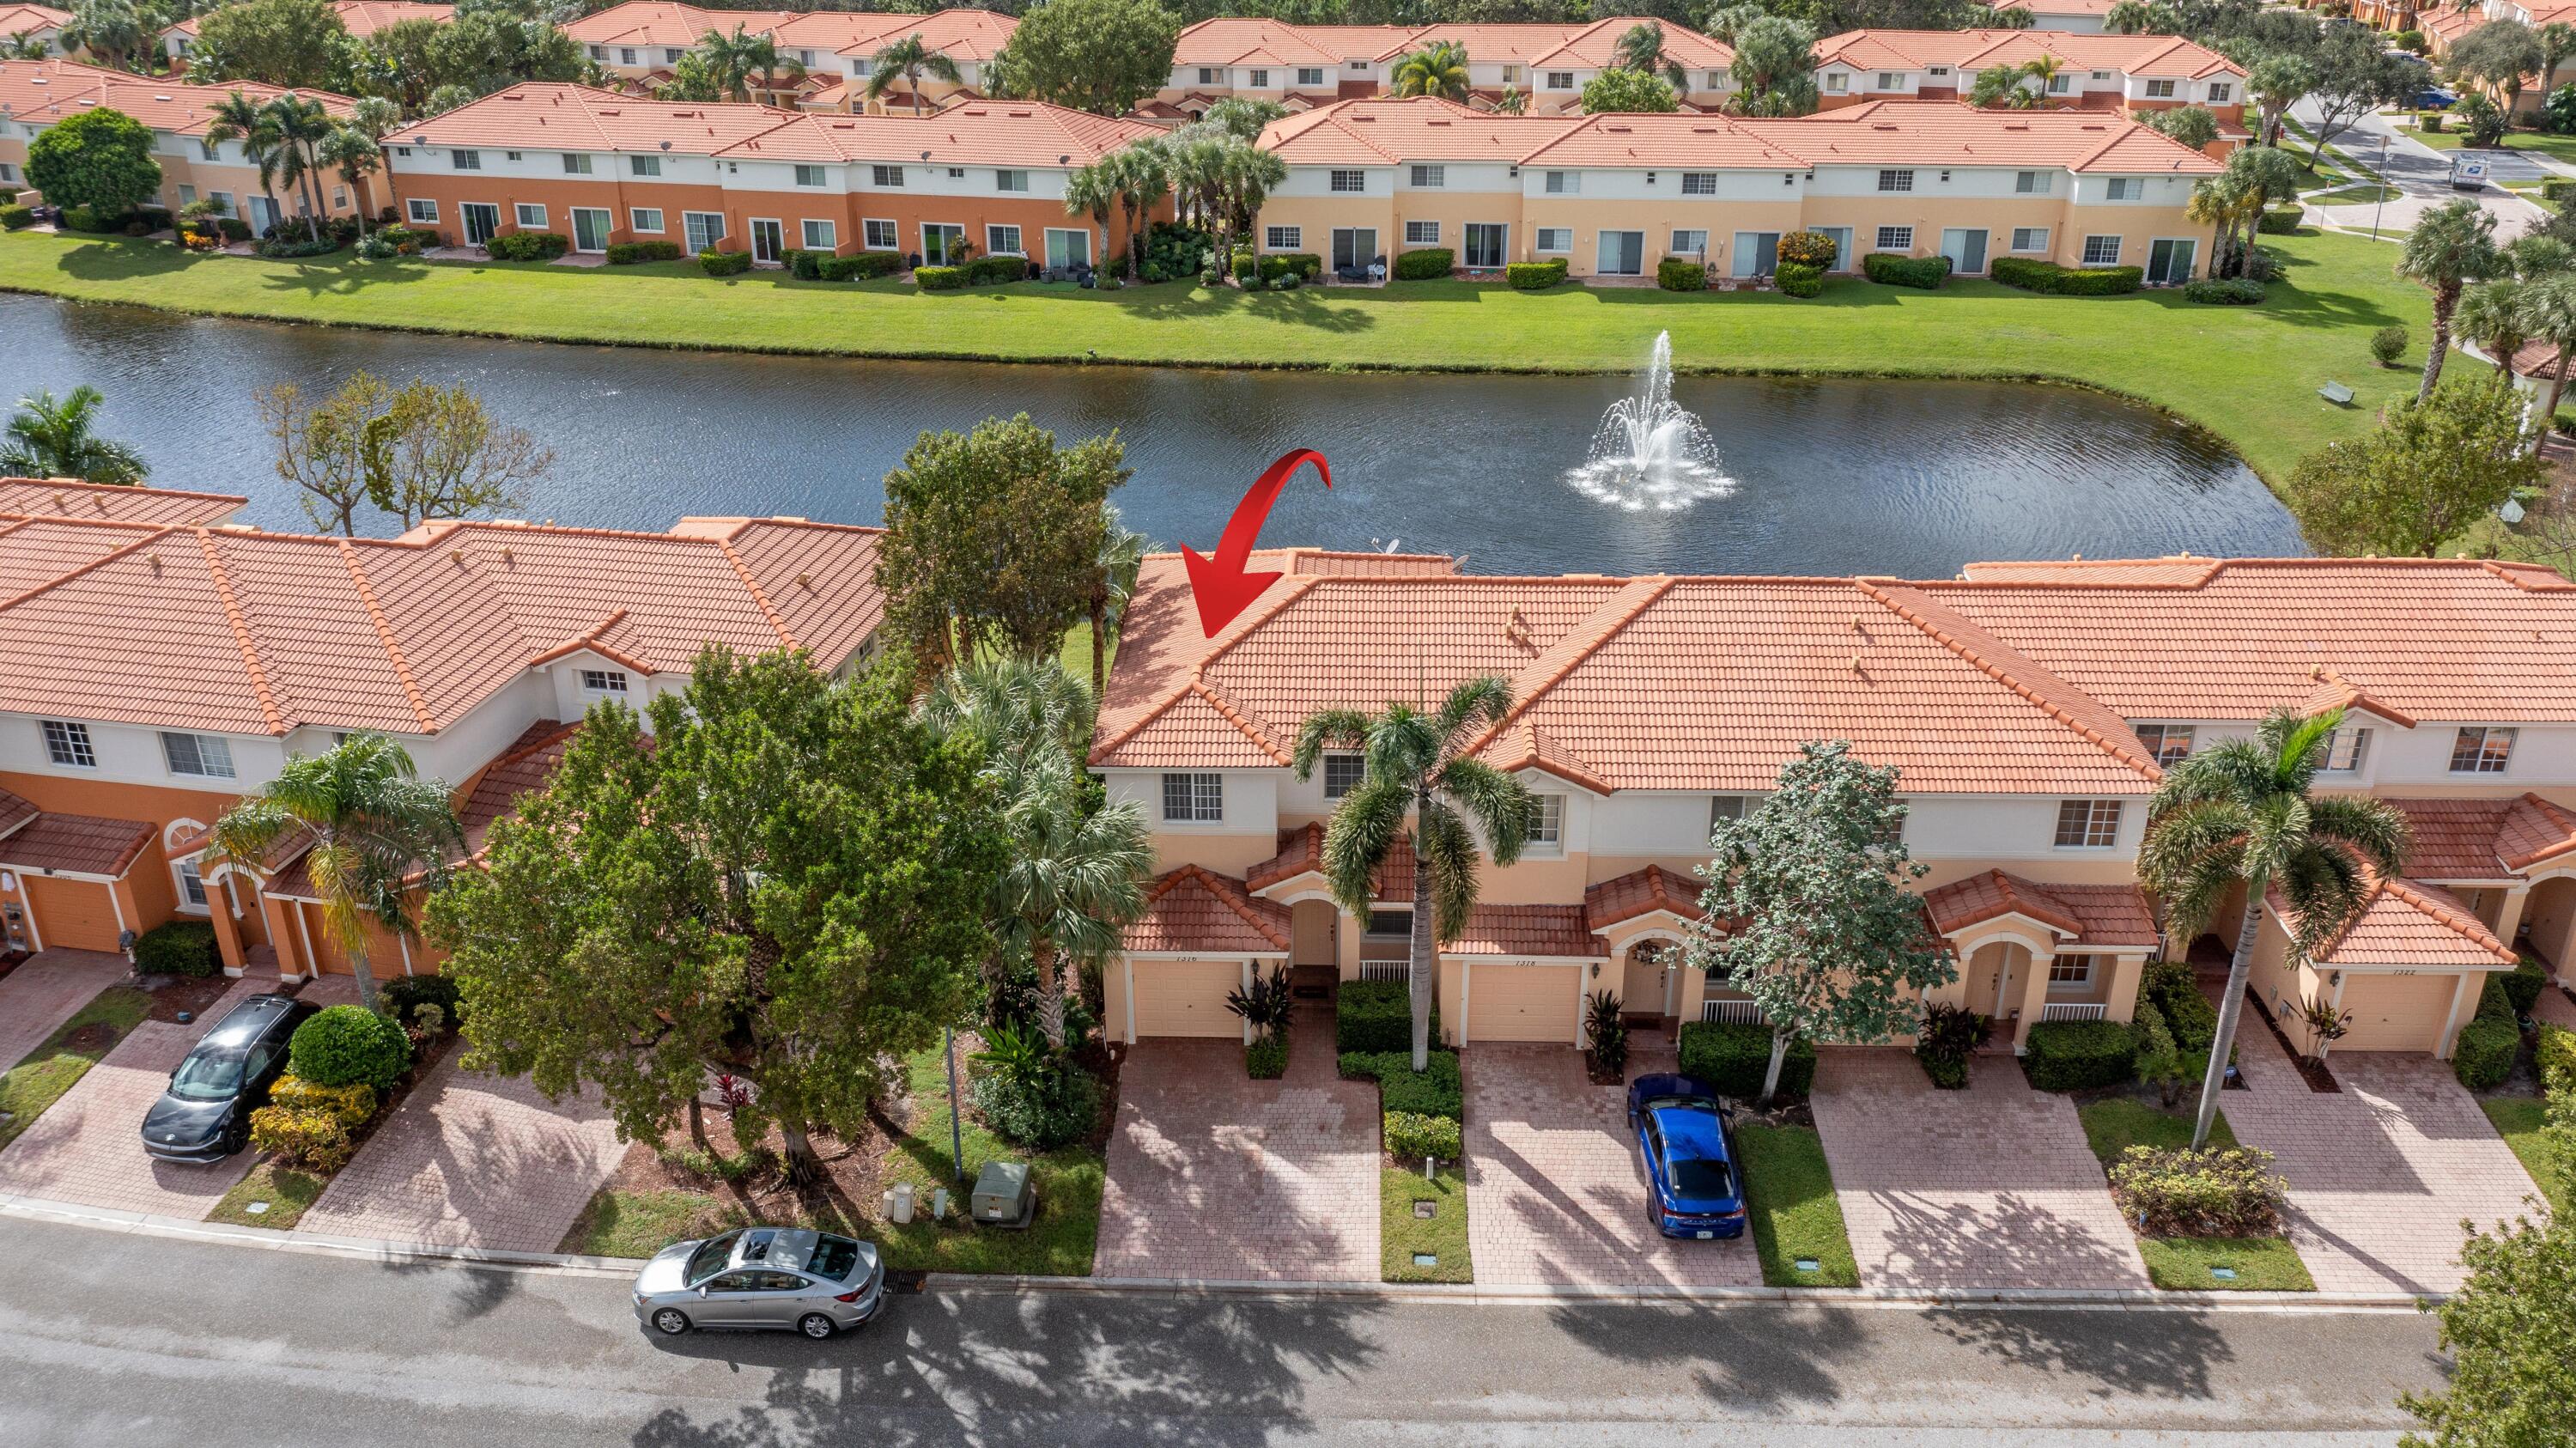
(1222, 585)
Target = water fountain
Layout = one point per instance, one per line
(1649, 453)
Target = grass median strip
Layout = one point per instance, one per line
(66, 1056)
(282, 1192)
(2190, 1264)
(1796, 1216)
(2519, 1119)
(1404, 1233)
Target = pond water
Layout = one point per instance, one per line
(1827, 477)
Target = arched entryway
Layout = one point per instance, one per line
(2548, 927)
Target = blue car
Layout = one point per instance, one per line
(2430, 100)
(1692, 1186)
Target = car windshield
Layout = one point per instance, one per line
(833, 1259)
(1700, 1180)
(208, 1076)
(710, 1258)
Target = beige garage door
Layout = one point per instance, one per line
(1521, 1002)
(1187, 997)
(72, 914)
(2396, 1012)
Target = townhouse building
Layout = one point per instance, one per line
(2128, 73)
(43, 22)
(2031, 708)
(36, 94)
(979, 178)
(1614, 194)
(642, 41)
(2443, 25)
(476, 646)
(362, 18)
(2073, 17)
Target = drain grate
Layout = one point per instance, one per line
(1426, 1209)
(1426, 1259)
(1809, 1264)
(257, 1209)
(2223, 1274)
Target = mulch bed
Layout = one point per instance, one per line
(851, 1180)
(92, 1039)
(2319, 1079)
(172, 994)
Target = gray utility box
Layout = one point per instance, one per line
(1003, 1197)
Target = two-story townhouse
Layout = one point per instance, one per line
(40, 22)
(2074, 17)
(2030, 708)
(362, 19)
(35, 94)
(1266, 59)
(2131, 73)
(2443, 25)
(476, 646)
(642, 41)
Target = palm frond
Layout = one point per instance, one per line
(2374, 829)
(1480, 702)
(1443, 846)
(2326, 890)
(1503, 807)
(1324, 729)
(1360, 836)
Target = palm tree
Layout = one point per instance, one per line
(1143, 172)
(2222, 203)
(2496, 316)
(356, 155)
(380, 836)
(1418, 772)
(1113, 582)
(2238, 815)
(239, 118)
(2003, 85)
(2043, 74)
(1512, 102)
(2451, 246)
(375, 116)
(1195, 164)
(300, 125)
(1641, 48)
(1248, 177)
(911, 58)
(26, 45)
(1438, 69)
(2129, 17)
(110, 30)
(759, 56)
(2550, 316)
(1093, 191)
(50, 439)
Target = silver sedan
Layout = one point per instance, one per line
(775, 1277)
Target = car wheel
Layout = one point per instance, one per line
(670, 1322)
(816, 1326)
(236, 1136)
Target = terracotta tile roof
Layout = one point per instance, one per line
(14, 811)
(1527, 930)
(1029, 134)
(52, 498)
(1301, 852)
(1701, 142)
(529, 762)
(362, 18)
(1231, 40)
(76, 844)
(2106, 916)
(1641, 892)
(960, 34)
(1195, 911)
(19, 19)
(2133, 571)
(2484, 839)
(2058, 7)
(41, 92)
(2409, 923)
(553, 115)
(1969, 51)
(2534, 831)
(1931, 133)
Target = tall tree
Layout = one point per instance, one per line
(2433, 467)
(282, 42)
(2452, 245)
(908, 60)
(112, 31)
(1113, 582)
(2355, 76)
(1092, 191)
(2495, 57)
(2557, 41)
(417, 453)
(2510, 1330)
(2494, 315)
(1438, 69)
(1774, 68)
(50, 439)
(382, 839)
(300, 125)
(1628, 91)
(743, 62)
(1420, 784)
(2550, 314)
(2278, 82)
(2239, 815)
(2128, 17)
(1823, 932)
(100, 159)
(1641, 48)
(1101, 56)
(1244, 117)
(355, 154)
(2194, 126)
(789, 886)
(1143, 173)
(2234, 200)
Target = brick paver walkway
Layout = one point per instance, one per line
(87, 1148)
(1215, 1176)
(1556, 1194)
(473, 1161)
(2555, 1008)
(1983, 1188)
(44, 992)
(2381, 1173)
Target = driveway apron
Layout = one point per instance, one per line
(45, 992)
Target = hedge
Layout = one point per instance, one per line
(178, 947)
(2281, 222)
(2055, 280)
(1377, 1015)
(1436, 1090)
(1674, 274)
(1896, 269)
(2523, 984)
(990, 270)
(1734, 1057)
(1266, 1059)
(528, 246)
(805, 266)
(724, 263)
(2175, 990)
(2556, 1057)
(1797, 280)
(2557, 189)
(2486, 1052)
(860, 265)
(1534, 276)
(2223, 291)
(1428, 264)
(350, 1105)
(346, 1044)
(314, 1140)
(405, 993)
(1277, 264)
(2074, 1055)
(17, 218)
(632, 253)
(1411, 1136)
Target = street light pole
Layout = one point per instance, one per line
(2379, 201)
(956, 1131)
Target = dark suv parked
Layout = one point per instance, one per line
(205, 1115)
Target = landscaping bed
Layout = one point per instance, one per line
(55, 1066)
(2118, 1119)
(288, 1186)
(1403, 1232)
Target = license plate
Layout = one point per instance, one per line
(1704, 1236)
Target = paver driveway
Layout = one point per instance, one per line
(44, 992)
(1214, 1176)
(2380, 1173)
(86, 1149)
(473, 1161)
(1983, 1188)
(1556, 1194)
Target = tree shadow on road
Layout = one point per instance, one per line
(2150, 1355)
(1767, 1360)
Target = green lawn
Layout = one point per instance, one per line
(287, 1193)
(2363, 195)
(2249, 374)
(1443, 1234)
(619, 1223)
(51, 1069)
(2261, 1264)
(2114, 1125)
(2518, 1120)
(1790, 1192)
(2555, 146)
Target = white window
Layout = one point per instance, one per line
(2127, 188)
(2160, 90)
(1836, 82)
(207, 756)
(2344, 751)
(821, 236)
(1283, 238)
(1349, 181)
(1260, 80)
(1208, 75)
(1938, 71)
(604, 681)
(886, 176)
(1713, 80)
(2069, 972)
(1560, 80)
(626, 55)
(2059, 85)
(1564, 183)
(2030, 238)
(1422, 233)
(880, 235)
(1699, 183)
(2088, 824)
(1310, 75)
(2033, 183)
(576, 163)
(1431, 177)
(599, 52)
(531, 217)
(1896, 238)
(1889, 80)
(339, 196)
(210, 150)
(2166, 743)
(1690, 243)
(645, 165)
(809, 176)
(956, 173)
(2219, 91)
(1194, 798)
(67, 742)
(192, 886)
(646, 219)
(1511, 75)
(2476, 751)
(1555, 239)
(671, 54)
(1547, 823)
(1002, 241)
(422, 211)
(1901, 179)
(702, 229)
(1010, 180)
(1343, 773)
(465, 160)
(2101, 251)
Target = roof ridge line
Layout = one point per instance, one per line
(101, 561)
(2454, 916)
(1240, 717)
(1243, 625)
(1657, 586)
(385, 636)
(1216, 886)
(759, 595)
(240, 622)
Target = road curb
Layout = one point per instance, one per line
(1178, 1288)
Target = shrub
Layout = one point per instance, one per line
(1896, 269)
(314, 1140)
(2522, 985)
(2160, 1061)
(2280, 222)
(2073, 1055)
(1304, 264)
(405, 994)
(2428, 121)
(1377, 1015)
(2555, 1054)
(2494, 1003)
(1733, 1057)
(2223, 292)
(1425, 264)
(939, 278)
(1411, 1137)
(1211, 278)
(178, 947)
(1809, 248)
(350, 1105)
(1798, 280)
(2557, 189)
(2175, 992)
(2101, 281)
(1534, 276)
(2409, 40)
(81, 218)
(528, 246)
(1286, 282)
(1040, 1110)
(283, 250)
(234, 229)
(8, 195)
(724, 263)
(1605, 1035)
(2486, 1051)
(993, 270)
(860, 265)
(345, 1044)
(17, 218)
(634, 253)
(1266, 1059)
(1949, 1036)
(1436, 1090)
(1104, 282)
(1674, 274)
(807, 266)
(2214, 1192)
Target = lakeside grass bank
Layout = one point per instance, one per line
(2248, 375)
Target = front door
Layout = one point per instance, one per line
(1966, 249)
(589, 228)
(1623, 253)
(1757, 253)
(1486, 243)
(482, 222)
(1354, 247)
(2170, 261)
(768, 240)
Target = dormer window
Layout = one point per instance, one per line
(610, 683)
(1547, 824)
(2167, 744)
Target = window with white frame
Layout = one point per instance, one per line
(702, 229)
(339, 196)
(2344, 751)
(1713, 80)
(1889, 80)
(1553, 239)
(67, 743)
(2480, 750)
(1348, 181)
(1310, 75)
(1699, 183)
(1693, 242)
(1563, 183)
(422, 211)
(2101, 251)
(2088, 824)
(627, 55)
(206, 756)
(1390, 924)
(1259, 80)
(210, 151)
(192, 886)
(604, 681)
(1560, 80)
(532, 217)
(809, 176)
(671, 54)
(2160, 90)
(577, 163)
(1896, 238)
(2126, 188)
(2166, 743)
(1193, 797)
(821, 235)
(1210, 75)
(1835, 82)
(880, 234)
(1422, 233)
(2070, 972)
(2030, 238)
(1938, 71)
(1896, 179)
(1283, 238)
(2059, 85)
(1511, 75)
(647, 166)
(1012, 180)
(599, 52)
(645, 219)
(1343, 773)
(1547, 822)
(887, 177)
(2033, 183)
(1430, 178)
(1002, 241)
(465, 160)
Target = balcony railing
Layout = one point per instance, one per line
(1386, 970)
(2073, 1011)
(1731, 1013)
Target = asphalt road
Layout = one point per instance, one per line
(133, 1341)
